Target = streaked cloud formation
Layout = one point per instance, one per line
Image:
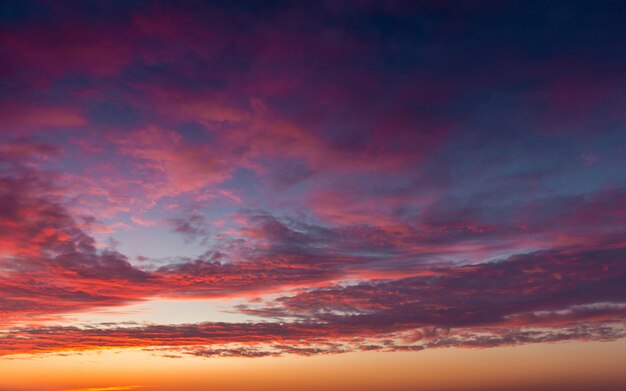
(358, 176)
(114, 388)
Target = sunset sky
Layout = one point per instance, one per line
(312, 195)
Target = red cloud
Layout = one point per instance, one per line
(51, 266)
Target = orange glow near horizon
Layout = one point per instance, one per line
(560, 366)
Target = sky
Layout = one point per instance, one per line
(330, 195)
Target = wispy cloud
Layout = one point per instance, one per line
(112, 388)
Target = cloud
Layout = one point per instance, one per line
(49, 264)
(111, 388)
(572, 293)
(192, 227)
(52, 266)
(275, 339)
(397, 177)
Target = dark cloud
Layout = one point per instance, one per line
(192, 227)
(482, 294)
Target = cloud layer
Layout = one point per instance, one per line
(358, 176)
